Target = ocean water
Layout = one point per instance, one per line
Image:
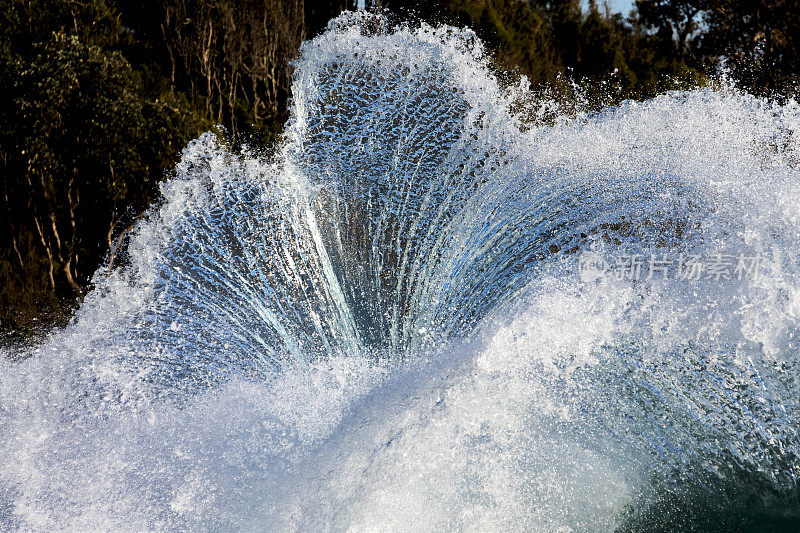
(407, 319)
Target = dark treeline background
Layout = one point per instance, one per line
(100, 96)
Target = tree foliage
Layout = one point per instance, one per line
(759, 42)
(83, 151)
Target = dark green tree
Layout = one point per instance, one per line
(758, 41)
(676, 23)
(82, 151)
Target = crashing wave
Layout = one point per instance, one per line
(384, 324)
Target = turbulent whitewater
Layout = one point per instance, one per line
(383, 325)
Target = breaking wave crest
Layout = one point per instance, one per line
(384, 324)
